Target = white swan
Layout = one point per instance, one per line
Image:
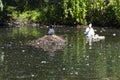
(91, 36)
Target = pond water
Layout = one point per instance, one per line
(75, 61)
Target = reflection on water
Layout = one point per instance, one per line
(2, 58)
(95, 38)
(75, 61)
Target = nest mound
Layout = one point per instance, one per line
(48, 42)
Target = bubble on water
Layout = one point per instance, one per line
(28, 64)
(71, 73)
(87, 56)
(76, 73)
(43, 61)
(31, 55)
(38, 43)
(32, 75)
(23, 50)
(95, 30)
(59, 2)
(63, 68)
(87, 64)
(101, 31)
(68, 30)
(2, 47)
(114, 34)
(70, 45)
(113, 60)
(2, 52)
(90, 47)
(86, 59)
(71, 67)
(100, 53)
(17, 63)
(83, 55)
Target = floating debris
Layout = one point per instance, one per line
(43, 62)
(114, 34)
(48, 43)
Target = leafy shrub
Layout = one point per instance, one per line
(31, 16)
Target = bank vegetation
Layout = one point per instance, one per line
(67, 12)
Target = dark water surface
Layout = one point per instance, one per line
(74, 62)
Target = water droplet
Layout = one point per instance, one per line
(113, 60)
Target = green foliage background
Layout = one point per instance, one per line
(70, 12)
